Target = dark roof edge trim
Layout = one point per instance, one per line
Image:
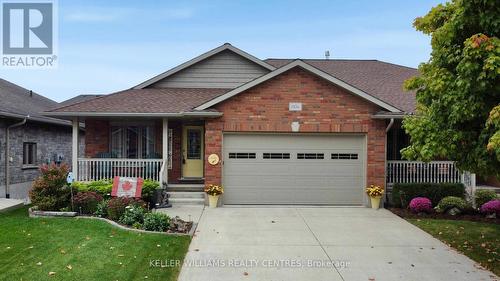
(134, 114)
(37, 119)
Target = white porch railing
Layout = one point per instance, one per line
(431, 172)
(90, 169)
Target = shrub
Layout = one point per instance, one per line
(102, 209)
(156, 222)
(103, 187)
(451, 202)
(491, 207)
(132, 215)
(117, 205)
(49, 191)
(402, 193)
(86, 202)
(482, 196)
(420, 205)
(148, 190)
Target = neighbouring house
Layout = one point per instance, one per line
(28, 139)
(274, 131)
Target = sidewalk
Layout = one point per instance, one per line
(9, 204)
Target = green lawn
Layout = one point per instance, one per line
(82, 249)
(479, 241)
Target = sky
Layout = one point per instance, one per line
(107, 46)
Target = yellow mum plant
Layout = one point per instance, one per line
(213, 189)
(374, 191)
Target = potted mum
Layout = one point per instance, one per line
(213, 191)
(375, 192)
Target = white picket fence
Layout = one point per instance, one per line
(90, 169)
(431, 172)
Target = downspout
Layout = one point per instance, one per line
(389, 126)
(7, 155)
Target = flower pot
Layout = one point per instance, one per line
(375, 202)
(212, 201)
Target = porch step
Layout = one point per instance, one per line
(186, 201)
(185, 187)
(186, 194)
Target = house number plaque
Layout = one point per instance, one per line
(213, 159)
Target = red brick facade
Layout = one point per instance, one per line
(264, 108)
(326, 109)
(96, 137)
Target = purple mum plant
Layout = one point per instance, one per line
(420, 205)
(491, 207)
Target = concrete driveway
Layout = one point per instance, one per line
(308, 243)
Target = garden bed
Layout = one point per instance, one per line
(187, 227)
(407, 214)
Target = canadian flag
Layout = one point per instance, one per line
(127, 187)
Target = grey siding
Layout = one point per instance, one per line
(223, 70)
(50, 139)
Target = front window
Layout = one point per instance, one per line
(133, 141)
(29, 153)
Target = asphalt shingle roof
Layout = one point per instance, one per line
(149, 100)
(77, 99)
(380, 79)
(20, 102)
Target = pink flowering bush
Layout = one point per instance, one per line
(420, 205)
(491, 207)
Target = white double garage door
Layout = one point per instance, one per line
(318, 169)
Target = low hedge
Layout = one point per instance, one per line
(104, 187)
(402, 193)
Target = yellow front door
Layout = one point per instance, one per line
(192, 151)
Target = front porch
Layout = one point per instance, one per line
(170, 151)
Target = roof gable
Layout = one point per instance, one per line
(309, 68)
(380, 79)
(223, 67)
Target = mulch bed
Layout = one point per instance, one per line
(407, 214)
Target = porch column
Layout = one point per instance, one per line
(74, 148)
(164, 152)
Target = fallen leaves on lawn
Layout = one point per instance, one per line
(51, 273)
(88, 238)
(8, 248)
(69, 267)
(121, 255)
(158, 245)
(63, 251)
(39, 263)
